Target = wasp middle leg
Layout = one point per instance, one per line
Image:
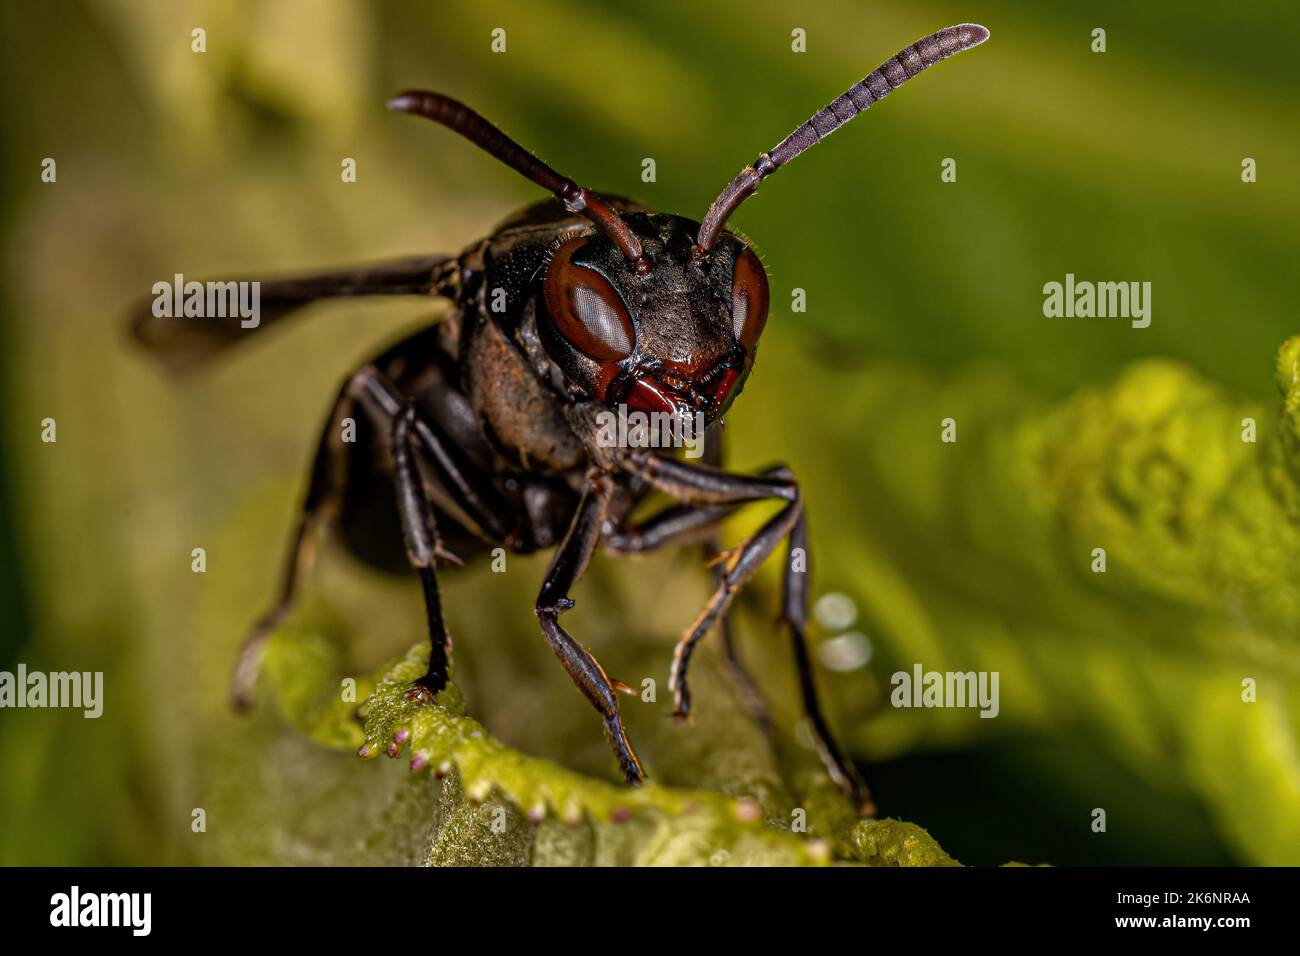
(414, 438)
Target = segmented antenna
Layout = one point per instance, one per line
(459, 118)
(877, 84)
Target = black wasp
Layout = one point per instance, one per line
(481, 431)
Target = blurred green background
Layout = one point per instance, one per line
(924, 301)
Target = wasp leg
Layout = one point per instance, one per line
(319, 509)
(420, 532)
(687, 524)
(567, 565)
(674, 526)
(698, 485)
(693, 484)
(794, 614)
(388, 408)
(712, 488)
(733, 574)
(468, 492)
(751, 698)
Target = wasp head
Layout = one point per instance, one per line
(678, 337)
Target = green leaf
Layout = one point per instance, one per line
(978, 555)
(496, 805)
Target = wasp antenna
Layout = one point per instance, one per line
(877, 84)
(459, 118)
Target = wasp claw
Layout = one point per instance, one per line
(443, 554)
(419, 692)
(721, 557)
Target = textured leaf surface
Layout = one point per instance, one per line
(491, 805)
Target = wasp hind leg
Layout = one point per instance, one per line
(319, 509)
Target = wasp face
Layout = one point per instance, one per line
(679, 338)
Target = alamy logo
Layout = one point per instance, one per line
(103, 909)
(625, 429)
(922, 688)
(209, 300)
(1125, 300)
(75, 689)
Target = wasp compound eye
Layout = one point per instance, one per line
(585, 308)
(748, 299)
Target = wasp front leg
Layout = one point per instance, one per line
(711, 488)
(751, 697)
(680, 525)
(567, 566)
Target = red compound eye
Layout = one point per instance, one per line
(748, 299)
(585, 308)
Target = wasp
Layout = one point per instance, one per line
(483, 430)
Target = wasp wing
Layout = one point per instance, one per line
(184, 342)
